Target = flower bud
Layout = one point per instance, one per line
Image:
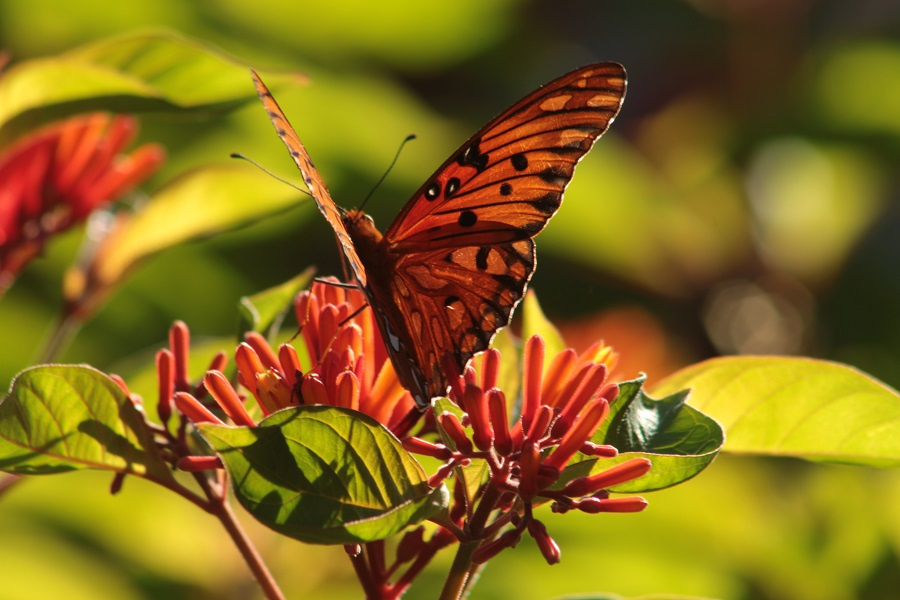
(420, 446)
(452, 427)
(193, 410)
(194, 464)
(548, 547)
(487, 551)
(616, 505)
(628, 470)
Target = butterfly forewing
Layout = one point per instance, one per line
(507, 181)
(311, 177)
(461, 251)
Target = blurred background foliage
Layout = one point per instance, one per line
(745, 201)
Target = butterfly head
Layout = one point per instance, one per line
(362, 230)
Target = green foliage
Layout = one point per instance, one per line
(156, 71)
(800, 407)
(325, 475)
(66, 417)
(265, 310)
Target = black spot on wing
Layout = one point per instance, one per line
(548, 203)
(519, 162)
(467, 218)
(432, 191)
(555, 175)
(452, 186)
(472, 157)
(531, 229)
(505, 189)
(481, 258)
(508, 282)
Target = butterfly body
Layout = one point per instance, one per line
(451, 268)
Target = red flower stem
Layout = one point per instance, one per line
(422, 560)
(375, 554)
(220, 507)
(63, 331)
(462, 570)
(361, 567)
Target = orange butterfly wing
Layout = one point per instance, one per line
(449, 271)
(455, 263)
(314, 182)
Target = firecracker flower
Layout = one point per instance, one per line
(348, 366)
(561, 410)
(55, 177)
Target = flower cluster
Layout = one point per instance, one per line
(55, 177)
(562, 407)
(346, 365)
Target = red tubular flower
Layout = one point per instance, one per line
(349, 366)
(487, 551)
(581, 431)
(165, 369)
(454, 429)
(419, 446)
(195, 464)
(548, 547)
(497, 408)
(193, 410)
(220, 389)
(531, 380)
(628, 470)
(562, 408)
(613, 505)
(476, 407)
(53, 178)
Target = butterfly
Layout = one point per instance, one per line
(449, 271)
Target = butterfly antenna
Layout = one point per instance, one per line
(408, 138)
(270, 173)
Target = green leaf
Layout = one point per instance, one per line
(679, 440)
(265, 310)
(65, 417)
(325, 475)
(150, 71)
(799, 407)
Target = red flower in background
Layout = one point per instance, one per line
(54, 177)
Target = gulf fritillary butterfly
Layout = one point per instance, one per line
(453, 265)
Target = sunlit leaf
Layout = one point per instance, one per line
(325, 475)
(151, 71)
(799, 407)
(196, 205)
(65, 417)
